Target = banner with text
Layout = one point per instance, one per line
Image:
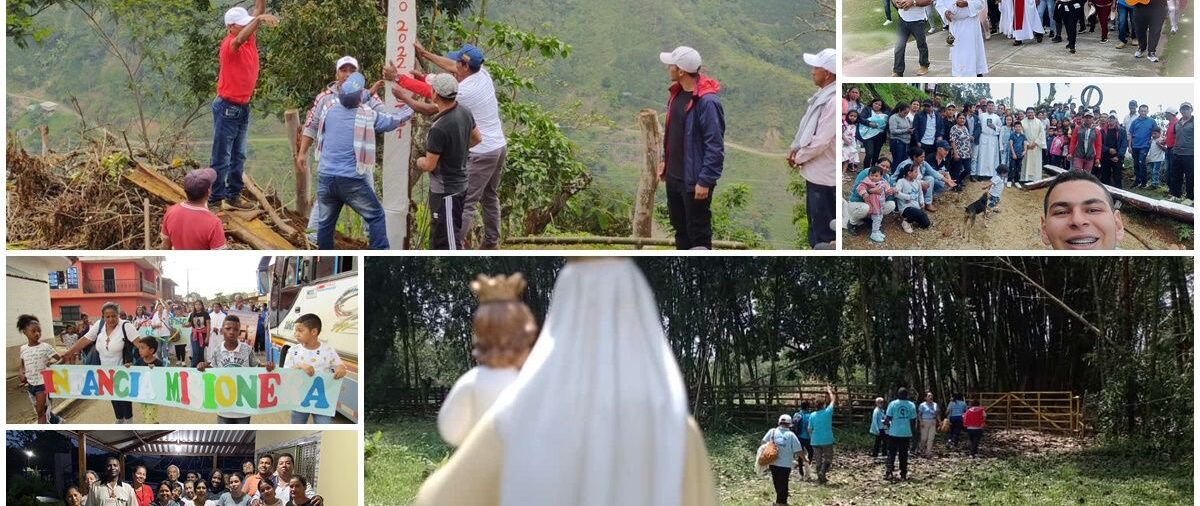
(245, 390)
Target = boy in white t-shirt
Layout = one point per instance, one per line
(310, 356)
(36, 356)
(231, 352)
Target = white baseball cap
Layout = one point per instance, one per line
(785, 419)
(344, 60)
(686, 58)
(445, 85)
(826, 59)
(238, 16)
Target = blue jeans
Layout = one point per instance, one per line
(887, 9)
(302, 418)
(335, 191)
(197, 353)
(1139, 165)
(230, 123)
(1046, 12)
(1155, 168)
(1124, 17)
(936, 187)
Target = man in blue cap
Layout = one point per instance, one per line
(476, 93)
(346, 154)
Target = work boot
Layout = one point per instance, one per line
(236, 204)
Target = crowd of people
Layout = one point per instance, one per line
(208, 337)
(900, 428)
(971, 22)
(272, 482)
(936, 148)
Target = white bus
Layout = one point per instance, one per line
(328, 287)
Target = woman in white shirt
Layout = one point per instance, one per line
(111, 337)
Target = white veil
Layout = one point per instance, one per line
(598, 415)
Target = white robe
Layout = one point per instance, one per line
(1032, 20)
(1006, 17)
(988, 155)
(967, 56)
(1035, 135)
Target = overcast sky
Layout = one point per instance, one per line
(1116, 96)
(226, 272)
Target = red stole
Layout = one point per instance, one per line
(1018, 14)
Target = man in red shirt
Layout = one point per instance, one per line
(190, 225)
(238, 57)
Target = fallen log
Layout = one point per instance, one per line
(1143, 203)
(621, 241)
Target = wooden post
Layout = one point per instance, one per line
(291, 118)
(82, 457)
(146, 222)
(45, 131)
(643, 204)
(1008, 410)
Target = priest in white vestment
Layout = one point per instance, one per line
(1024, 22)
(967, 56)
(988, 155)
(1035, 142)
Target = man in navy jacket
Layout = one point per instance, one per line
(693, 148)
(927, 141)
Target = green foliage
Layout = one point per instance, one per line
(799, 211)
(406, 452)
(726, 204)
(1185, 233)
(891, 94)
(25, 486)
(600, 209)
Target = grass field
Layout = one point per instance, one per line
(863, 32)
(1015, 468)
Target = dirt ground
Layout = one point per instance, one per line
(1015, 227)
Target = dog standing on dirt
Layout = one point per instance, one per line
(980, 206)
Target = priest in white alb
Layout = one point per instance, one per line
(1035, 142)
(1024, 23)
(987, 157)
(967, 56)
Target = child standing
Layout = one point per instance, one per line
(147, 355)
(872, 190)
(1016, 146)
(1156, 155)
(877, 428)
(199, 321)
(69, 336)
(1057, 143)
(310, 356)
(850, 142)
(36, 356)
(997, 186)
(231, 353)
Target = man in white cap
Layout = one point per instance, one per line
(967, 56)
(447, 147)
(693, 148)
(812, 151)
(324, 101)
(236, 79)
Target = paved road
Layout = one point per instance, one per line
(1030, 59)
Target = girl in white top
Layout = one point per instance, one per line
(111, 335)
(36, 356)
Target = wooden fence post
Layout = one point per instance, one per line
(291, 119)
(643, 204)
(45, 131)
(146, 222)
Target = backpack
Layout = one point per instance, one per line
(769, 451)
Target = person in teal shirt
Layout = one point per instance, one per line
(788, 445)
(800, 427)
(820, 431)
(898, 421)
(877, 428)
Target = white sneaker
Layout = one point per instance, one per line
(1152, 57)
(1138, 54)
(907, 228)
(887, 22)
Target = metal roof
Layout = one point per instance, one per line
(222, 443)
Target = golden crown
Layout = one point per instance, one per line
(498, 288)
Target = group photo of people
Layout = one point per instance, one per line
(108, 315)
(758, 380)
(1015, 38)
(181, 468)
(995, 166)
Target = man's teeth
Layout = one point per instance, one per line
(1088, 240)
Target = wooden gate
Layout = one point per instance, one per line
(1048, 411)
